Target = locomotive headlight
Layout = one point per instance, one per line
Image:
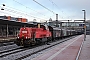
(26, 37)
(18, 37)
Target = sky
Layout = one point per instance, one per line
(66, 9)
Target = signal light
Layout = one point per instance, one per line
(26, 37)
(18, 37)
(24, 28)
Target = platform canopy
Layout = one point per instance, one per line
(13, 23)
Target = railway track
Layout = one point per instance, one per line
(21, 53)
(8, 47)
(13, 51)
(6, 43)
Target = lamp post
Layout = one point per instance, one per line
(84, 24)
(3, 8)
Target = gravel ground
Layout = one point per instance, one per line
(8, 47)
(39, 53)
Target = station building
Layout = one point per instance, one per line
(77, 26)
(14, 19)
(10, 26)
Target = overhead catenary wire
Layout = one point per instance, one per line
(19, 10)
(22, 12)
(25, 12)
(44, 7)
(57, 6)
(28, 7)
(35, 10)
(19, 13)
(53, 3)
(6, 13)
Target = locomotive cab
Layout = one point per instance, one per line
(24, 33)
(26, 36)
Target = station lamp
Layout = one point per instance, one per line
(3, 8)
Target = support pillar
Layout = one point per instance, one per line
(7, 31)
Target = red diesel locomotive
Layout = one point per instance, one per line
(41, 34)
(31, 36)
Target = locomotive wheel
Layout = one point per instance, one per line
(49, 39)
(38, 41)
(44, 40)
(18, 44)
(21, 43)
(33, 43)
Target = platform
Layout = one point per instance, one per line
(5, 39)
(85, 52)
(66, 51)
